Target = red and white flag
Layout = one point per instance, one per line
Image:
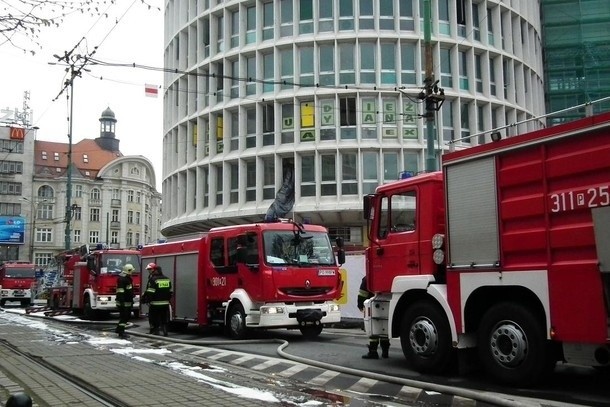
(151, 90)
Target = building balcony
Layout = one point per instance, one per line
(115, 225)
(95, 202)
(115, 202)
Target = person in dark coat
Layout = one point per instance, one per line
(157, 296)
(124, 299)
(374, 340)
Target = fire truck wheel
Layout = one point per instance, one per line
(88, 312)
(426, 339)
(512, 345)
(236, 321)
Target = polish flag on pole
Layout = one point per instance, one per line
(151, 90)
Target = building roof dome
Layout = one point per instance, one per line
(107, 114)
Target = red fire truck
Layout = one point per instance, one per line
(16, 278)
(88, 278)
(506, 250)
(264, 275)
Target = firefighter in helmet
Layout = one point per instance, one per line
(124, 299)
(157, 296)
(374, 340)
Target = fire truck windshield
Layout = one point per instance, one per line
(113, 263)
(20, 272)
(300, 249)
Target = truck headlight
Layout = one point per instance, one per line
(272, 310)
(438, 256)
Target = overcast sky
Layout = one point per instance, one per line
(136, 38)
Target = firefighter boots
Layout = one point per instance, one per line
(372, 352)
(385, 349)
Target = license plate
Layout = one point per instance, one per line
(326, 272)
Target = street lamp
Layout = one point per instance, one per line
(33, 210)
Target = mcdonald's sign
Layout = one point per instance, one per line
(17, 133)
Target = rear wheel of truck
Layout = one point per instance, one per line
(512, 345)
(236, 321)
(425, 338)
(311, 331)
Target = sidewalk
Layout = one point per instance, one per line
(146, 379)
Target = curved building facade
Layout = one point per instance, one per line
(327, 92)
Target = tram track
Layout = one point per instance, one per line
(90, 394)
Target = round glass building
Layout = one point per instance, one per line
(326, 99)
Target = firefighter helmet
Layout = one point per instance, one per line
(151, 266)
(128, 269)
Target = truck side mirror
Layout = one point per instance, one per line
(341, 252)
(367, 205)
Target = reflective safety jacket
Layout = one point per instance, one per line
(159, 290)
(124, 291)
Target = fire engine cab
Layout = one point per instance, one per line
(16, 278)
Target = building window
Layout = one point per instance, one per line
(367, 63)
(388, 63)
(235, 29)
(464, 123)
(44, 235)
(114, 237)
(305, 16)
(444, 26)
(234, 131)
(250, 127)
(346, 15)
(235, 79)
(268, 125)
(129, 216)
(386, 15)
(268, 21)
(390, 167)
(78, 191)
(10, 188)
(251, 25)
(129, 239)
(268, 178)
(464, 85)
(286, 25)
(370, 170)
(11, 167)
(94, 215)
(268, 73)
(406, 15)
(447, 118)
(251, 181)
(77, 213)
(366, 21)
(95, 194)
(42, 259)
(346, 64)
(327, 119)
(446, 75)
(10, 209)
(116, 193)
(325, 18)
(407, 64)
(138, 197)
(115, 215)
(137, 218)
(94, 236)
(327, 64)
(349, 174)
(220, 35)
(478, 74)
(287, 123)
(329, 175)
(347, 111)
(286, 68)
(306, 70)
(234, 193)
(45, 211)
(308, 175)
(476, 28)
(251, 75)
(219, 186)
(130, 195)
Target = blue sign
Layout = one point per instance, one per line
(12, 229)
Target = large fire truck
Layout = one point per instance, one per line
(265, 275)
(16, 278)
(87, 280)
(506, 250)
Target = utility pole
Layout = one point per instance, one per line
(75, 65)
(432, 94)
